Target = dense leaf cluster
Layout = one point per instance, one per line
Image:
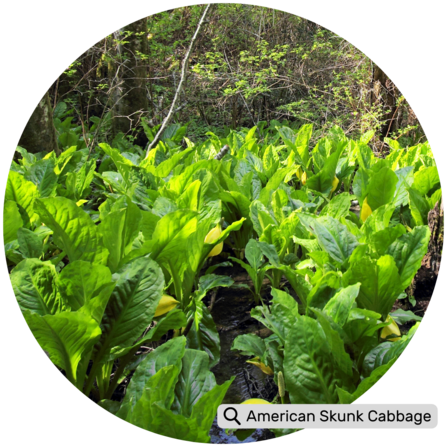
(94, 240)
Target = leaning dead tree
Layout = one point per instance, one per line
(424, 282)
(180, 84)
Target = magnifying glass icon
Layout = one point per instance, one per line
(231, 419)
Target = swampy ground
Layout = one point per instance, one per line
(230, 308)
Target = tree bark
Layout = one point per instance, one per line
(383, 92)
(130, 97)
(39, 134)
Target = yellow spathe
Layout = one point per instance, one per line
(264, 368)
(335, 183)
(211, 237)
(256, 402)
(366, 211)
(392, 331)
(166, 304)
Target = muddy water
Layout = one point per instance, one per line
(231, 313)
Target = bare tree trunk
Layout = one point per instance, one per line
(424, 282)
(384, 93)
(39, 134)
(130, 98)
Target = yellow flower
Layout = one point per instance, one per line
(304, 178)
(299, 173)
(264, 368)
(366, 211)
(166, 304)
(334, 183)
(391, 329)
(211, 237)
(256, 401)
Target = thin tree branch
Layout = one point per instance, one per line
(180, 84)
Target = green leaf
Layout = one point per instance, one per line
(159, 389)
(169, 353)
(80, 282)
(194, 381)
(205, 410)
(302, 142)
(27, 158)
(273, 184)
(406, 178)
(260, 217)
(381, 284)
(377, 221)
(65, 336)
(381, 188)
(250, 270)
(419, 207)
(130, 310)
(408, 252)
(190, 197)
(175, 319)
(401, 316)
(382, 240)
(435, 198)
(254, 255)
(269, 251)
(205, 337)
(360, 184)
(426, 180)
(310, 374)
(34, 284)
(73, 230)
(322, 181)
(165, 167)
(270, 161)
(339, 306)
(23, 192)
(299, 284)
(210, 281)
(335, 341)
(31, 245)
(365, 385)
(385, 352)
(115, 181)
(249, 345)
(12, 221)
(148, 224)
(338, 207)
(119, 229)
(78, 183)
(361, 322)
(43, 176)
(334, 238)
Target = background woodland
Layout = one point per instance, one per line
(249, 66)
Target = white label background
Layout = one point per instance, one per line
(420, 416)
